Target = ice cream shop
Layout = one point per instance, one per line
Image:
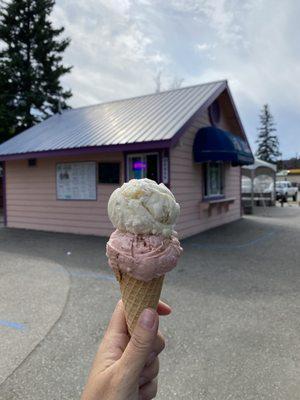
(59, 174)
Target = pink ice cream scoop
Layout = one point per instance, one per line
(144, 257)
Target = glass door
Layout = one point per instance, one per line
(143, 165)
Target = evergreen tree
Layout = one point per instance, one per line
(30, 65)
(268, 144)
(7, 114)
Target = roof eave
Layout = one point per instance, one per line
(236, 113)
(151, 145)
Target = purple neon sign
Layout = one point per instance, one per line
(139, 165)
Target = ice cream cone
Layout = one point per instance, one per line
(144, 245)
(138, 295)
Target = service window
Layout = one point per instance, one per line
(109, 172)
(213, 179)
(144, 165)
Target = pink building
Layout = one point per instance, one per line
(59, 174)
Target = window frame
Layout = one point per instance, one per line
(207, 195)
(142, 155)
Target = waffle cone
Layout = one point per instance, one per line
(138, 295)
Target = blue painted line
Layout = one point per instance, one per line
(92, 275)
(13, 325)
(260, 239)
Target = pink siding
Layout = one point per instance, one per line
(32, 204)
(186, 184)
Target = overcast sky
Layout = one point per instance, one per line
(118, 47)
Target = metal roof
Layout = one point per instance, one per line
(153, 117)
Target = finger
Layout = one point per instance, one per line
(149, 373)
(163, 308)
(118, 322)
(115, 339)
(116, 336)
(141, 343)
(148, 391)
(158, 346)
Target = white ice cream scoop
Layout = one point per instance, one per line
(141, 206)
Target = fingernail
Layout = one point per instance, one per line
(147, 319)
(151, 358)
(142, 381)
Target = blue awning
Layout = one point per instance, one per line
(213, 144)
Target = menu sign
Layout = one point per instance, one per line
(76, 181)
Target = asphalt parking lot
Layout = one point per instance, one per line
(234, 332)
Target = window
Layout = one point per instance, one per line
(214, 112)
(145, 165)
(213, 179)
(32, 162)
(109, 172)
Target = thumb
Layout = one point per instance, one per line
(140, 345)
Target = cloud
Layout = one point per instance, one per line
(118, 6)
(110, 52)
(118, 46)
(202, 47)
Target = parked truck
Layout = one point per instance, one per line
(285, 189)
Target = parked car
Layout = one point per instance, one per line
(285, 189)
